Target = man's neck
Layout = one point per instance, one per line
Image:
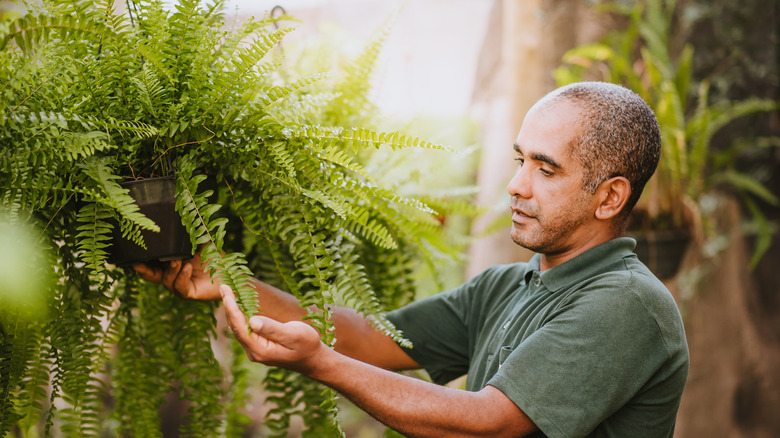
(549, 261)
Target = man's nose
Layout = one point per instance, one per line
(520, 184)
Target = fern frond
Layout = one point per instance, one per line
(236, 421)
(15, 352)
(284, 389)
(351, 105)
(77, 146)
(35, 384)
(198, 369)
(130, 128)
(381, 196)
(445, 206)
(80, 353)
(244, 67)
(358, 138)
(196, 215)
(312, 252)
(94, 236)
(339, 156)
(275, 93)
(150, 89)
(372, 229)
(290, 394)
(353, 286)
(26, 31)
(282, 156)
(143, 322)
(116, 197)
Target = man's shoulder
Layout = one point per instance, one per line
(638, 281)
(489, 286)
(633, 295)
(628, 280)
(625, 275)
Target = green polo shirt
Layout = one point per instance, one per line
(593, 347)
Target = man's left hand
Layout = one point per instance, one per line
(291, 345)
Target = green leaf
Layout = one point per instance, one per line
(747, 183)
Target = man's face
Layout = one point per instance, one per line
(550, 208)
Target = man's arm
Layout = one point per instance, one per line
(355, 336)
(410, 406)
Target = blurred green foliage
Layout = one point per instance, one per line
(643, 56)
(25, 277)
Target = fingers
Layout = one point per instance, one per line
(293, 345)
(235, 318)
(183, 281)
(178, 279)
(271, 330)
(275, 331)
(184, 278)
(170, 274)
(149, 273)
(262, 327)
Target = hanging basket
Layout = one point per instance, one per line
(156, 199)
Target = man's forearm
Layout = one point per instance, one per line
(355, 336)
(418, 408)
(412, 406)
(276, 303)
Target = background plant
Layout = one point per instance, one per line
(91, 97)
(644, 57)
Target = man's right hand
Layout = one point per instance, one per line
(184, 278)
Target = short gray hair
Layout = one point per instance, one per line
(620, 135)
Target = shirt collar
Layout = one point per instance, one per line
(585, 265)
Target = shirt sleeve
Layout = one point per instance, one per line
(444, 328)
(588, 360)
(438, 332)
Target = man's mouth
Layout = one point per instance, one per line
(519, 215)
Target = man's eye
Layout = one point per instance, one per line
(545, 172)
(519, 160)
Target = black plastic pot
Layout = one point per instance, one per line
(662, 251)
(156, 199)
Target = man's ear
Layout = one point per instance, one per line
(613, 195)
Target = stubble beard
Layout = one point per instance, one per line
(548, 236)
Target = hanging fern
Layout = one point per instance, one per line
(91, 99)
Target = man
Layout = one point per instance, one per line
(581, 341)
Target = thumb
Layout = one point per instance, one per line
(287, 334)
(266, 327)
(256, 323)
